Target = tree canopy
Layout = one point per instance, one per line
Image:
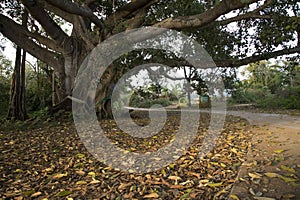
(234, 32)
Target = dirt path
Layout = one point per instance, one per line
(272, 168)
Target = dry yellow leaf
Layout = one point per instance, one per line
(152, 195)
(264, 198)
(215, 184)
(94, 181)
(288, 179)
(92, 174)
(81, 183)
(255, 175)
(234, 150)
(279, 151)
(58, 176)
(80, 155)
(286, 168)
(222, 165)
(80, 172)
(272, 175)
(234, 197)
(19, 170)
(176, 178)
(36, 194)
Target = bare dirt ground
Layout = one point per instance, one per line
(272, 167)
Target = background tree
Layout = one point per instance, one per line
(270, 85)
(5, 76)
(93, 21)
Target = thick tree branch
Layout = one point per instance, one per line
(127, 10)
(11, 30)
(255, 14)
(233, 62)
(76, 9)
(139, 16)
(83, 32)
(205, 18)
(63, 14)
(255, 58)
(52, 29)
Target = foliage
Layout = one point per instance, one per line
(145, 97)
(38, 88)
(270, 85)
(149, 103)
(5, 75)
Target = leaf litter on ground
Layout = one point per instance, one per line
(52, 162)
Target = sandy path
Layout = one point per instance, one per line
(275, 146)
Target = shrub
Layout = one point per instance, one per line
(148, 103)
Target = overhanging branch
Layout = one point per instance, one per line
(49, 25)
(255, 58)
(205, 18)
(11, 30)
(73, 8)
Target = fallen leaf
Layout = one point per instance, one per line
(92, 174)
(152, 195)
(279, 151)
(255, 175)
(234, 197)
(94, 182)
(19, 170)
(288, 196)
(80, 172)
(234, 150)
(81, 183)
(222, 165)
(214, 184)
(286, 168)
(264, 198)
(36, 194)
(80, 155)
(175, 178)
(58, 176)
(288, 179)
(64, 193)
(271, 175)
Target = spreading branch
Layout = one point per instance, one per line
(200, 20)
(255, 58)
(73, 8)
(127, 10)
(11, 30)
(49, 25)
(61, 13)
(255, 14)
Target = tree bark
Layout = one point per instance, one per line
(17, 109)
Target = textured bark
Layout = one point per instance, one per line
(17, 110)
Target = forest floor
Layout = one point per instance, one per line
(257, 158)
(272, 167)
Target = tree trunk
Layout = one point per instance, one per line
(17, 110)
(104, 92)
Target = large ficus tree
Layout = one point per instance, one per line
(234, 32)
